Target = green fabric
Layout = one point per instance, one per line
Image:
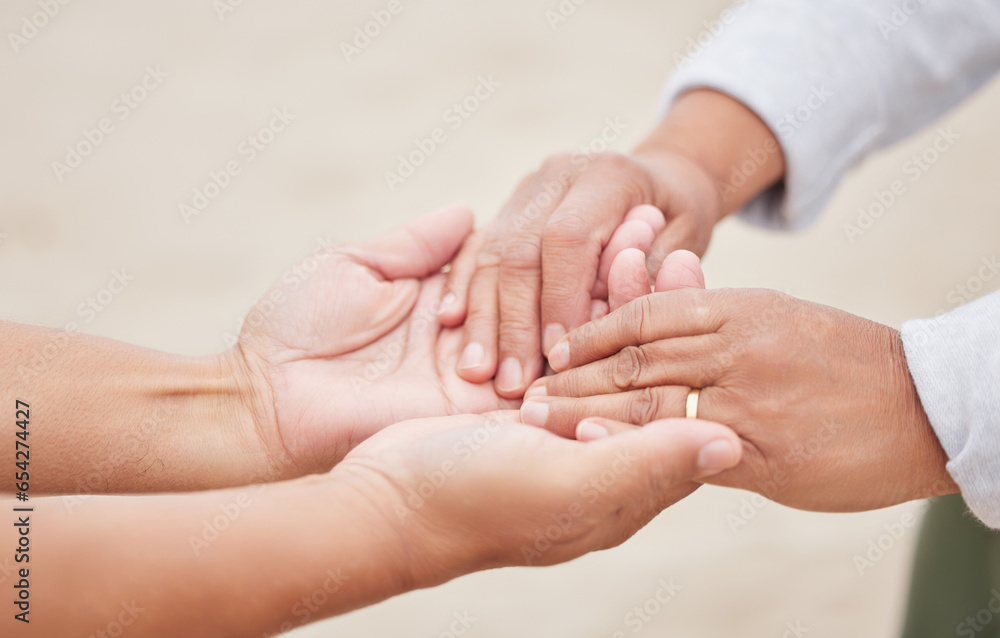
(955, 590)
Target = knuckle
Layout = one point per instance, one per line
(627, 367)
(567, 227)
(644, 406)
(556, 162)
(521, 254)
(637, 317)
(614, 161)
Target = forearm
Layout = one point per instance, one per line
(109, 417)
(288, 553)
(719, 135)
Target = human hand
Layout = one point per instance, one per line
(538, 270)
(823, 400)
(466, 493)
(333, 357)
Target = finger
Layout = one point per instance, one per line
(478, 362)
(520, 342)
(520, 279)
(598, 308)
(627, 280)
(652, 215)
(455, 296)
(681, 269)
(681, 233)
(420, 248)
(560, 415)
(662, 315)
(596, 428)
(575, 237)
(690, 361)
(662, 456)
(633, 234)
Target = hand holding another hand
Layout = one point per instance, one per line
(467, 493)
(822, 400)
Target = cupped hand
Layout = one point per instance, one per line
(350, 342)
(465, 493)
(822, 400)
(541, 268)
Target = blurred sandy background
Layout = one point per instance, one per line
(323, 176)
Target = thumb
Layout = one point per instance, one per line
(419, 249)
(681, 269)
(627, 279)
(664, 454)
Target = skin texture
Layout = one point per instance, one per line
(302, 550)
(321, 365)
(532, 275)
(823, 400)
(359, 345)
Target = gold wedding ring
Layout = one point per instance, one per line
(692, 403)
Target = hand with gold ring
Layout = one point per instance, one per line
(823, 400)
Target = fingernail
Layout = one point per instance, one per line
(590, 431)
(716, 456)
(472, 357)
(553, 333)
(535, 413)
(510, 376)
(447, 302)
(537, 391)
(559, 356)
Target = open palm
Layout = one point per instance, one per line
(357, 345)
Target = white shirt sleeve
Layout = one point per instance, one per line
(955, 362)
(838, 79)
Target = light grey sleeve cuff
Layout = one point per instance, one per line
(836, 80)
(955, 361)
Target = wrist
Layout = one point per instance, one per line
(673, 172)
(731, 145)
(925, 459)
(250, 406)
